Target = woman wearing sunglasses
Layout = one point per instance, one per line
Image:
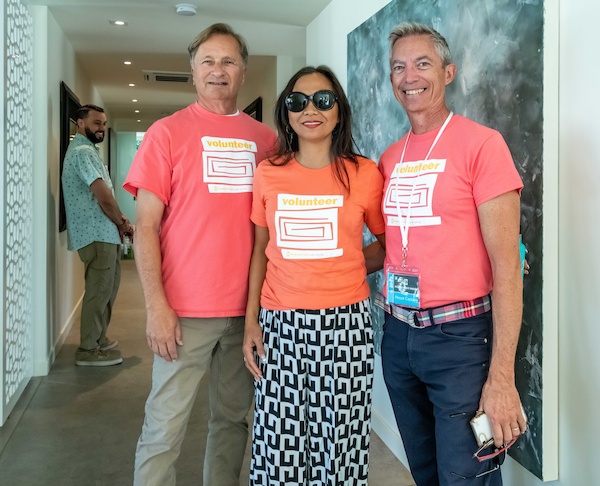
(308, 338)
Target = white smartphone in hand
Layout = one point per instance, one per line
(482, 429)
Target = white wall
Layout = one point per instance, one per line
(578, 201)
(579, 260)
(126, 149)
(326, 36)
(287, 66)
(260, 81)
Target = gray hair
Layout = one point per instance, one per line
(217, 29)
(413, 28)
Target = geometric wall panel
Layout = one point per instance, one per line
(17, 204)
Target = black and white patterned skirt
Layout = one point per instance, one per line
(313, 405)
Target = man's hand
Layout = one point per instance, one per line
(501, 403)
(125, 228)
(253, 340)
(163, 332)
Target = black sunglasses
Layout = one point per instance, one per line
(322, 100)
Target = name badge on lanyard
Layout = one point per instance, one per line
(403, 286)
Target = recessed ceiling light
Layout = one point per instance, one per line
(135, 101)
(131, 84)
(136, 111)
(127, 63)
(139, 121)
(117, 22)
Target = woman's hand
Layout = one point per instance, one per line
(253, 341)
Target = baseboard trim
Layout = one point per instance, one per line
(389, 435)
(41, 367)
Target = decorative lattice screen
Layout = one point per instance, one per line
(18, 202)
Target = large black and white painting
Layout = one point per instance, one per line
(498, 48)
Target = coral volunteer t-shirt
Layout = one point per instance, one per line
(201, 165)
(315, 233)
(469, 165)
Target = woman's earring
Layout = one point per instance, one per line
(290, 135)
(334, 133)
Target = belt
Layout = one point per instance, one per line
(421, 318)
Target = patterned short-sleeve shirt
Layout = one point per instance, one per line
(86, 222)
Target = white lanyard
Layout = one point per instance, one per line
(406, 220)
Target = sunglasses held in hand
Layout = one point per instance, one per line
(496, 452)
(322, 100)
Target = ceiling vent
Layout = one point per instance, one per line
(167, 77)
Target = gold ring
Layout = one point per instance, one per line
(516, 428)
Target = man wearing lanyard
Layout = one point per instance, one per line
(451, 205)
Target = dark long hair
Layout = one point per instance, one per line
(342, 143)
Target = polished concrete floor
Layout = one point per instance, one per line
(79, 426)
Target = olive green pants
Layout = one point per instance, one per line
(102, 277)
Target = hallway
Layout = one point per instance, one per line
(79, 426)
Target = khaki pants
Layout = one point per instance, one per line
(102, 278)
(214, 343)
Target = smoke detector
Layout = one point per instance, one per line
(186, 9)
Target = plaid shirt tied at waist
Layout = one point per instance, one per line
(421, 318)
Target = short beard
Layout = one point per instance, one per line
(92, 136)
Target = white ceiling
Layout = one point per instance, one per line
(156, 38)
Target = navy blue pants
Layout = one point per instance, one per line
(434, 377)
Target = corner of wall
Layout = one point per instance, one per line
(40, 232)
